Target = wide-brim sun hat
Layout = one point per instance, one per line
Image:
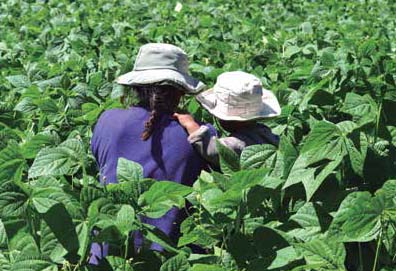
(161, 64)
(239, 96)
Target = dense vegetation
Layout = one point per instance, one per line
(325, 200)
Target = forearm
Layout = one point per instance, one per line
(205, 144)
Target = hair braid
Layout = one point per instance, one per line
(158, 99)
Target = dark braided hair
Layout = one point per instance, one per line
(160, 99)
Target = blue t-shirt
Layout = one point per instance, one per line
(166, 155)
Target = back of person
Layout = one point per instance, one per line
(166, 155)
(147, 133)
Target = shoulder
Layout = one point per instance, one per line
(112, 113)
(109, 116)
(115, 114)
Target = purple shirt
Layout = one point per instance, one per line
(166, 155)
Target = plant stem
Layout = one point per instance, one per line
(377, 252)
(126, 252)
(360, 258)
(378, 121)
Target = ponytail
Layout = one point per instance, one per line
(158, 99)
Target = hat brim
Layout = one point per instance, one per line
(162, 76)
(269, 107)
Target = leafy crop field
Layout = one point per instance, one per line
(324, 200)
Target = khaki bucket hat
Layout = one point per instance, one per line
(160, 63)
(239, 96)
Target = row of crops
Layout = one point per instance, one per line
(324, 200)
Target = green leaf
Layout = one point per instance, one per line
(26, 105)
(62, 160)
(117, 91)
(157, 236)
(327, 59)
(12, 204)
(325, 254)
(36, 143)
(358, 218)
(206, 267)
(324, 144)
(387, 194)
(125, 220)
(162, 196)
(118, 264)
(18, 81)
(48, 106)
(49, 245)
(291, 51)
(5, 264)
(356, 157)
(12, 165)
(42, 205)
(256, 156)
(308, 218)
(311, 186)
(363, 109)
(176, 263)
(306, 28)
(24, 243)
(83, 232)
(33, 264)
(128, 171)
(367, 48)
(58, 220)
(284, 257)
(229, 160)
(322, 132)
(58, 195)
(91, 111)
(3, 236)
(240, 181)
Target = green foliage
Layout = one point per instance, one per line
(162, 196)
(324, 199)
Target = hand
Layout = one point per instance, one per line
(187, 122)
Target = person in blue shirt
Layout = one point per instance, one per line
(148, 134)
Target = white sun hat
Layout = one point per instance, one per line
(239, 96)
(160, 63)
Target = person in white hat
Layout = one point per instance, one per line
(237, 100)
